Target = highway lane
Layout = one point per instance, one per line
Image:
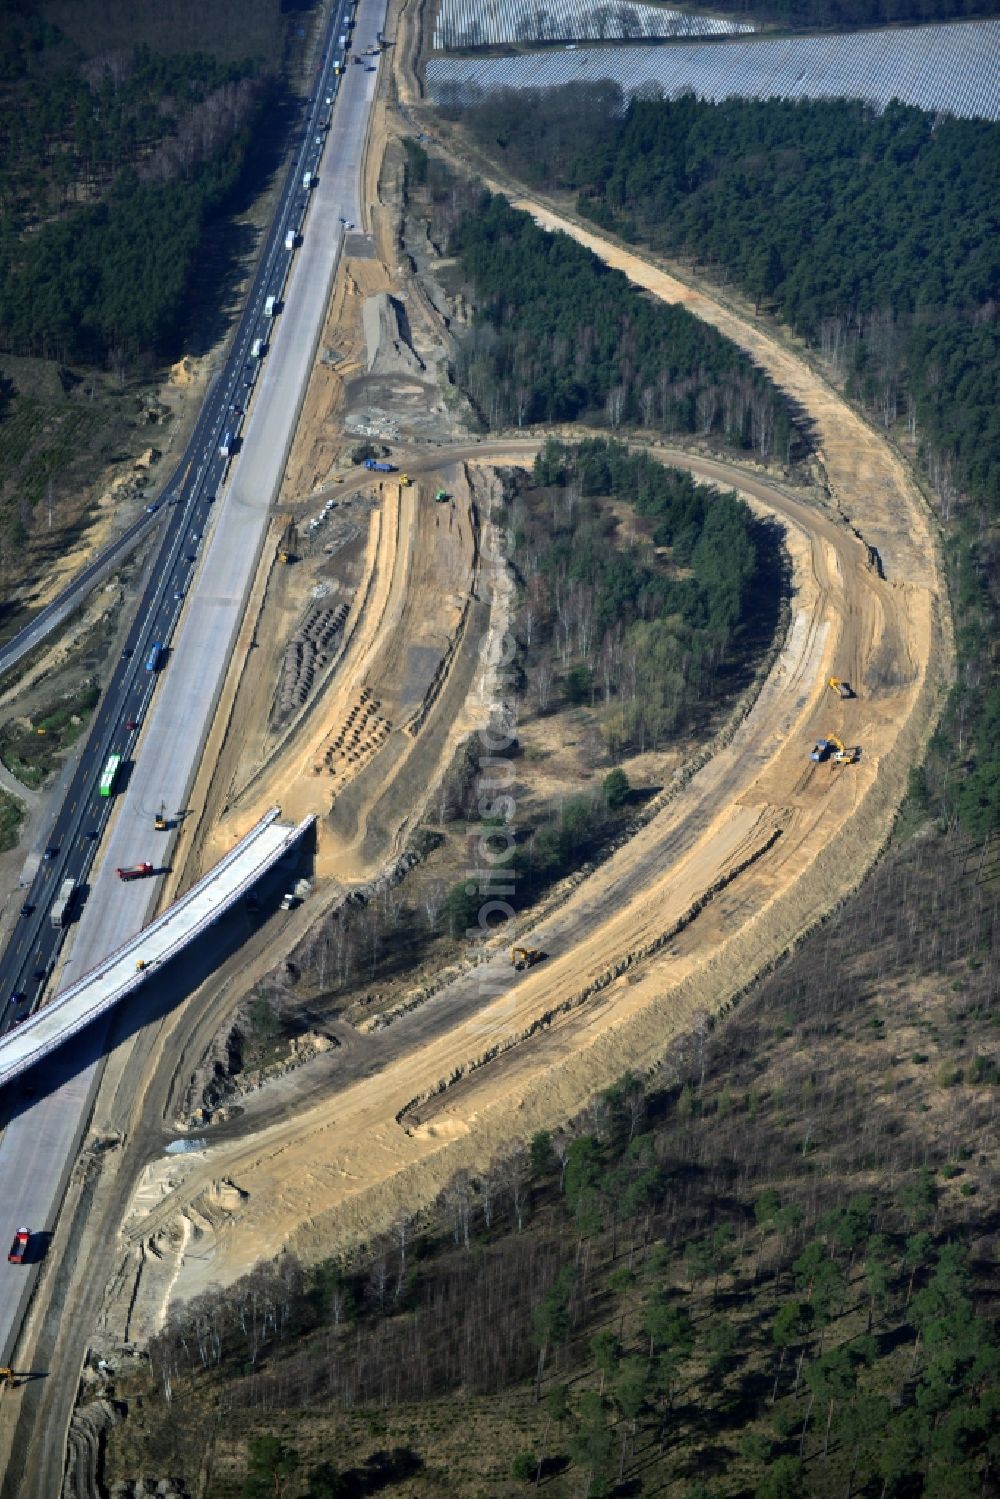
(171, 707)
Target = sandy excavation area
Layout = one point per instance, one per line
(738, 862)
(764, 837)
(405, 620)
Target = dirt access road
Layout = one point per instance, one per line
(738, 863)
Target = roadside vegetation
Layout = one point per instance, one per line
(31, 747)
(768, 1272)
(871, 235)
(11, 818)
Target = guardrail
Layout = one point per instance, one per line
(133, 979)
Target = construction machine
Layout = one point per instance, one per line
(840, 687)
(286, 547)
(842, 755)
(405, 481)
(8, 1379)
(525, 957)
(836, 750)
(442, 496)
(160, 823)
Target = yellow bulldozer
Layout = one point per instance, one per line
(840, 687)
(525, 957)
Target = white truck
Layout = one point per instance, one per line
(290, 239)
(59, 914)
(257, 348)
(269, 307)
(307, 181)
(296, 895)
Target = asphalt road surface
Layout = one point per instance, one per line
(159, 703)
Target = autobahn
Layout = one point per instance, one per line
(30, 955)
(171, 708)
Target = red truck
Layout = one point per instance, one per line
(19, 1248)
(135, 871)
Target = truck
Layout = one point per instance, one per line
(296, 895)
(290, 239)
(269, 306)
(307, 181)
(134, 871)
(17, 1252)
(226, 445)
(153, 659)
(109, 773)
(375, 466)
(257, 348)
(59, 915)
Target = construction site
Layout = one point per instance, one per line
(372, 648)
(376, 655)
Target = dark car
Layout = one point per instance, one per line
(39, 974)
(126, 653)
(92, 835)
(132, 724)
(27, 908)
(190, 557)
(51, 851)
(19, 1248)
(18, 997)
(152, 509)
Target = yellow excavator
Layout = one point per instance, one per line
(834, 749)
(841, 754)
(840, 687)
(8, 1379)
(525, 957)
